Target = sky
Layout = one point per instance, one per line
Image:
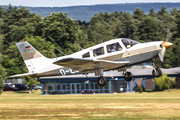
(65, 3)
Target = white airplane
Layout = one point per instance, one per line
(113, 54)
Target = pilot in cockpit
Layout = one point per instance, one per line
(113, 48)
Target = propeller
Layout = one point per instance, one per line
(165, 45)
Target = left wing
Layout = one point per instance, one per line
(88, 65)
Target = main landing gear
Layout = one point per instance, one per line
(128, 76)
(101, 81)
(156, 71)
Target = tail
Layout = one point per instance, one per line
(33, 59)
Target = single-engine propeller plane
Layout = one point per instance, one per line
(113, 54)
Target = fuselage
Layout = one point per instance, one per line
(121, 49)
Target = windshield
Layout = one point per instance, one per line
(128, 43)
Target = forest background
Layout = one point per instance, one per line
(58, 31)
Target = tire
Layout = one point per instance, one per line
(129, 76)
(158, 72)
(101, 81)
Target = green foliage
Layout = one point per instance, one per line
(2, 76)
(139, 14)
(148, 90)
(60, 30)
(2, 69)
(30, 82)
(57, 30)
(139, 89)
(164, 82)
(13, 61)
(90, 45)
(148, 30)
(15, 21)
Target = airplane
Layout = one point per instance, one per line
(115, 54)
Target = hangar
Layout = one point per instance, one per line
(80, 84)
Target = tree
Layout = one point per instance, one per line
(82, 37)
(152, 13)
(13, 61)
(14, 22)
(148, 30)
(30, 82)
(60, 30)
(128, 26)
(139, 14)
(2, 76)
(2, 70)
(162, 11)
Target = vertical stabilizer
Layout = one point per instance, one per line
(33, 59)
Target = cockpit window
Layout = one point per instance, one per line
(128, 43)
(113, 47)
(98, 51)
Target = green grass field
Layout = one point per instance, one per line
(147, 105)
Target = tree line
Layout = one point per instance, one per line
(58, 31)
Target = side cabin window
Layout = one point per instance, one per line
(128, 43)
(98, 51)
(86, 55)
(113, 47)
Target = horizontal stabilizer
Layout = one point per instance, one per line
(24, 74)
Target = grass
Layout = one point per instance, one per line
(147, 105)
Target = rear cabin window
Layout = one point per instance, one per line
(86, 55)
(98, 51)
(113, 47)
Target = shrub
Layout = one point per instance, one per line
(148, 90)
(164, 82)
(139, 89)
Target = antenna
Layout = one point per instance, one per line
(61, 52)
(79, 46)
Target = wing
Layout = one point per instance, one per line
(21, 75)
(89, 65)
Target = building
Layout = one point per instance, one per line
(78, 84)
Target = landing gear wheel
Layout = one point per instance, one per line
(156, 72)
(101, 81)
(128, 76)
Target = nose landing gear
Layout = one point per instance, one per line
(156, 71)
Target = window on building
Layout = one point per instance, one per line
(113, 47)
(86, 55)
(50, 87)
(98, 51)
(59, 86)
(87, 86)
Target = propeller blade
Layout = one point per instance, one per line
(168, 35)
(161, 54)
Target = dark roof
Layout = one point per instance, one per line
(137, 71)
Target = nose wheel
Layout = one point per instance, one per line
(156, 71)
(128, 76)
(101, 81)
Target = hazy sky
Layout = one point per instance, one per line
(62, 3)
